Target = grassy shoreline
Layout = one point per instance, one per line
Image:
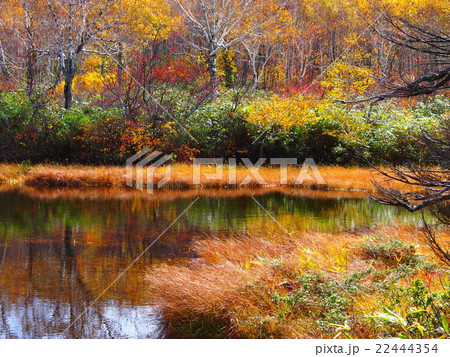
(380, 283)
(71, 176)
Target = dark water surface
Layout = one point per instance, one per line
(61, 249)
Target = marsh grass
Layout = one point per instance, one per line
(336, 178)
(12, 174)
(302, 285)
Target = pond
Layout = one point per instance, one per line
(60, 250)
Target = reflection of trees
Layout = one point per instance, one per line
(137, 218)
(49, 296)
(76, 286)
(63, 252)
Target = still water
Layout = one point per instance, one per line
(61, 249)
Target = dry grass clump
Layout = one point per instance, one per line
(202, 291)
(336, 178)
(305, 285)
(238, 250)
(12, 174)
(74, 176)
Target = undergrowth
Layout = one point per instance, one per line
(306, 286)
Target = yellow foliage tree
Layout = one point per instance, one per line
(282, 111)
(344, 80)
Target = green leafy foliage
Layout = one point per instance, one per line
(415, 312)
(38, 131)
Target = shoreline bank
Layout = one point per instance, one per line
(336, 178)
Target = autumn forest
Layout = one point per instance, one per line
(95, 81)
(321, 211)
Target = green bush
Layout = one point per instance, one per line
(220, 130)
(415, 312)
(36, 130)
(335, 133)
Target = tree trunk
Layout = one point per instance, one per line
(69, 70)
(120, 65)
(68, 92)
(3, 66)
(212, 67)
(31, 67)
(255, 74)
(244, 73)
(31, 54)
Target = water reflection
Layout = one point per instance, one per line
(59, 250)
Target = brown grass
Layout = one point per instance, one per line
(12, 174)
(336, 178)
(75, 176)
(121, 193)
(228, 291)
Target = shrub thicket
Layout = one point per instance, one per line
(263, 125)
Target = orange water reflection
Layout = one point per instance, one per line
(60, 249)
